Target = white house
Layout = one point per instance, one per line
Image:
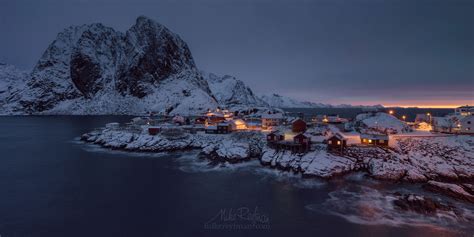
(464, 110)
(272, 120)
(466, 125)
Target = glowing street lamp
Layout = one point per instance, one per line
(391, 112)
(404, 117)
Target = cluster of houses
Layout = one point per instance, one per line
(285, 132)
(460, 122)
(295, 140)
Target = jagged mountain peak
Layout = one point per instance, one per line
(96, 63)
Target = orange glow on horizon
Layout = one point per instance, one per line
(425, 106)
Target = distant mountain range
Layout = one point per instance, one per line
(93, 69)
(279, 101)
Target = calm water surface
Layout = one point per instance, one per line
(53, 185)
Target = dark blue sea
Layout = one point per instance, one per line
(54, 185)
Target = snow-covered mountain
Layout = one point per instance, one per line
(12, 83)
(93, 69)
(279, 101)
(232, 93)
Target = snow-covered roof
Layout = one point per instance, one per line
(382, 121)
(277, 132)
(442, 122)
(338, 136)
(212, 127)
(272, 116)
(374, 136)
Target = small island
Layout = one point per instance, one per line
(375, 142)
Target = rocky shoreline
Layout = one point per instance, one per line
(442, 164)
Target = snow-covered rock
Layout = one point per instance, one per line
(280, 101)
(453, 190)
(93, 69)
(229, 147)
(12, 83)
(380, 122)
(232, 93)
(412, 159)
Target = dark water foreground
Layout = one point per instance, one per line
(53, 185)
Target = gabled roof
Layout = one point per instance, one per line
(374, 136)
(296, 119)
(277, 133)
(338, 136)
(300, 135)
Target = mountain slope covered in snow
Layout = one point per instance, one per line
(93, 69)
(232, 93)
(12, 82)
(279, 101)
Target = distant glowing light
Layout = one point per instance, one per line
(391, 112)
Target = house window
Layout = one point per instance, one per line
(370, 140)
(329, 142)
(338, 142)
(381, 141)
(364, 140)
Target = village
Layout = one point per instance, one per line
(380, 143)
(297, 134)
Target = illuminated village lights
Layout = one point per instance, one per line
(391, 112)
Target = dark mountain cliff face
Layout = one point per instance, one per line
(94, 59)
(153, 53)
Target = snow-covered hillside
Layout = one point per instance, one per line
(232, 93)
(93, 69)
(279, 101)
(380, 123)
(12, 82)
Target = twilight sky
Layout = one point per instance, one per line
(391, 52)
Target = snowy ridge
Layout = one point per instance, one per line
(279, 101)
(231, 92)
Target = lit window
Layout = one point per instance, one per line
(329, 142)
(381, 141)
(338, 142)
(370, 140)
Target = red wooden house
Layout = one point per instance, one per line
(298, 125)
(275, 136)
(153, 130)
(337, 142)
